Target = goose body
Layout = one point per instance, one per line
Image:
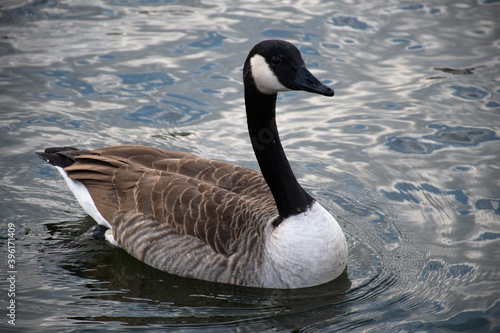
(211, 220)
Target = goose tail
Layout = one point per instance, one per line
(59, 156)
(62, 157)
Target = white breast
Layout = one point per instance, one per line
(307, 249)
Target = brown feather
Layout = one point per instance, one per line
(190, 195)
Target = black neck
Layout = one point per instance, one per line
(291, 198)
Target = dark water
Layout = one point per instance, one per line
(406, 156)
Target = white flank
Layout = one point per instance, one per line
(84, 199)
(265, 79)
(307, 249)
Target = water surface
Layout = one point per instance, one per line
(406, 156)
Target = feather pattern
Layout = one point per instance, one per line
(193, 196)
(166, 206)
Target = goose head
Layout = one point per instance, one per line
(275, 65)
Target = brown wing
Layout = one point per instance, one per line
(213, 201)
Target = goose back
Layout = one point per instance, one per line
(213, 201)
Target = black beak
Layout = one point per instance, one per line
(306, 81)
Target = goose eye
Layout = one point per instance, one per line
(275, 60)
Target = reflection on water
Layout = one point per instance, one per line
(155, 297)
(445, 136)
(406, 156)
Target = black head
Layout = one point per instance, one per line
(276, 65)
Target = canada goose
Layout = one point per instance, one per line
(211, 220)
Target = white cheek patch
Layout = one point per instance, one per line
(265, 79)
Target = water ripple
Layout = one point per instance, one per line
(469, 93)
(213, 39)
(489, 204)
(444, 137)
(407, 165)
(351, 22)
